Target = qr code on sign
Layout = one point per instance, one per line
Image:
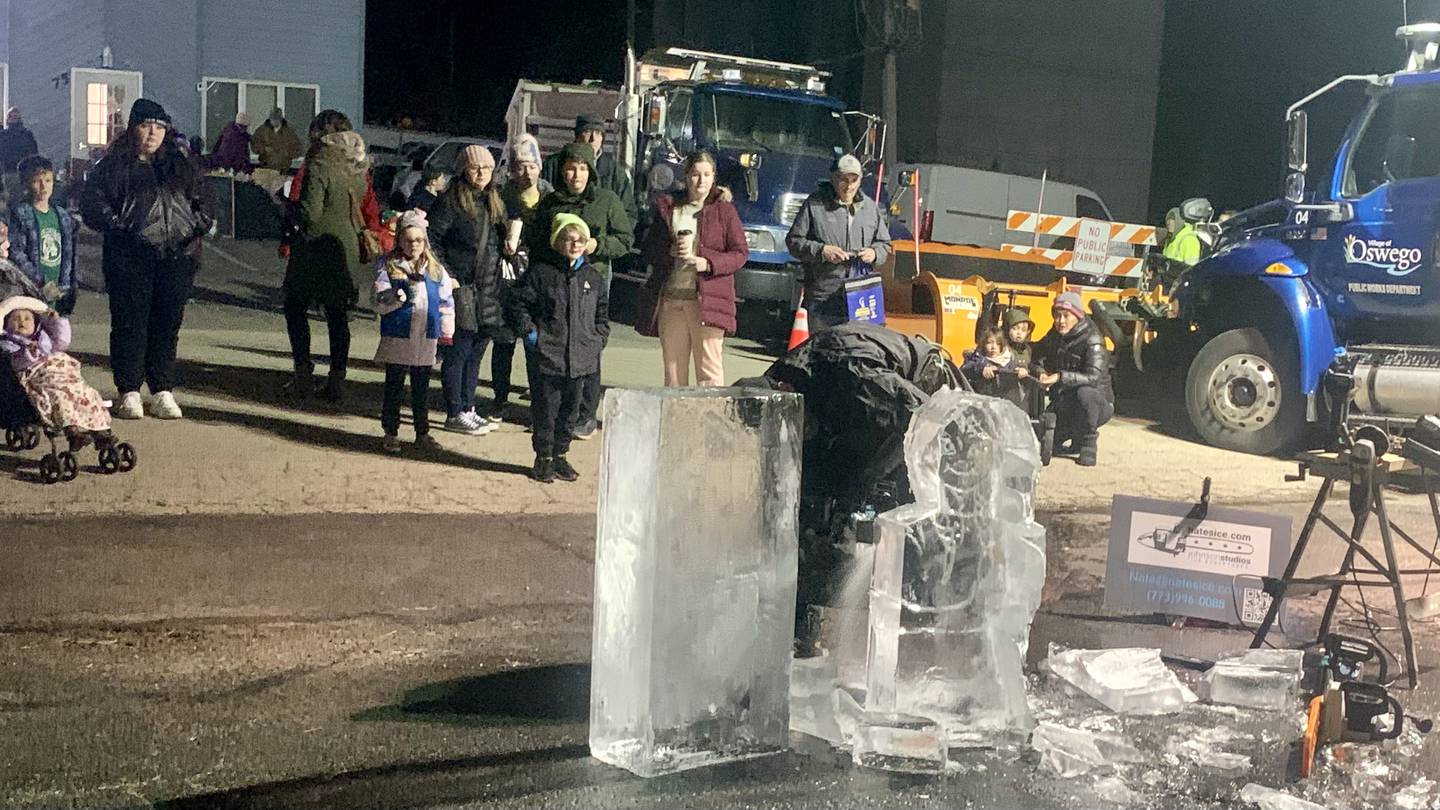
(1255, 604)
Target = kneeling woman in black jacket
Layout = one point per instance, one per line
(1072, 363)
(146, 197)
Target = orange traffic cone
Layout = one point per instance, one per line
(800, 329)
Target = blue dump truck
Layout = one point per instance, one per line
(774, 133)
(1344, 276)
(770, 126)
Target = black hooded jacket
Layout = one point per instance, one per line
(1079, 358)
(154, 207)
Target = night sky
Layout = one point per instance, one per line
(1229, 69)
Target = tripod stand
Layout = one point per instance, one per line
(1367, 470)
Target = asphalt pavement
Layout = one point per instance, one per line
(269, 613)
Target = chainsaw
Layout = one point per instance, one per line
(1346, 708)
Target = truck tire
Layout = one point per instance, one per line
(1243, 394)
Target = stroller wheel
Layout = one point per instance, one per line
(14, 439)
(126, 456)
(49, 468)
(109, 461)
(69, 468)
(32, 436)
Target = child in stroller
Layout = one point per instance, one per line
(34, 338)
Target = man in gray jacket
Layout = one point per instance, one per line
(839, 234)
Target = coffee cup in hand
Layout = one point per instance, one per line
(684, 243)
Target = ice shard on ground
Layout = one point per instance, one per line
(695, 572)
(1128, 680)
(958, 573)
(1258, 679)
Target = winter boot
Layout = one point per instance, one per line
(302, 385)
(1085, 448)
(564, 471)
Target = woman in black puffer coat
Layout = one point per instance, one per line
(147, 198)
(466, 227)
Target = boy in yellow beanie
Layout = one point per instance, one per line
(563, 308)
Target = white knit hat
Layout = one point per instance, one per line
(414, 218)
(16, 302)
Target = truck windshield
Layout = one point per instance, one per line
(1400, 141)
(772, 125)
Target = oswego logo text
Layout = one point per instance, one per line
(1383, 254)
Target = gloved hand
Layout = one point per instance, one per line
(532, 339)
(52, 291)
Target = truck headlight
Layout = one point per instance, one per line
(761, 240)
(662, 177)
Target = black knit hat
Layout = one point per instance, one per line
(586, 121)
(146, 110)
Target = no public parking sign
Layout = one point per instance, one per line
(1092, 247)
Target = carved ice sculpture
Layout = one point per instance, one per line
(958, 573)
(695, 572)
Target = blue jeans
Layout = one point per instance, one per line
(460, 371)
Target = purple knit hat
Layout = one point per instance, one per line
(1069, 301)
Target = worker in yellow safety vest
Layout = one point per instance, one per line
(1184, 243)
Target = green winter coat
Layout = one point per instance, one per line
(602, 211)
(325, 259)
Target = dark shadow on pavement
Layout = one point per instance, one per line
(265, 297)
(443, 783)
(266, 386)
(550, 694)
(335, 439)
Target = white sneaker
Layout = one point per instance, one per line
(129, 406)
(478, 422)
(459, 424)
(164, 406)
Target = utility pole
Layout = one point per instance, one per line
(892, 25)
(889, 108)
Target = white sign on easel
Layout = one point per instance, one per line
(1092, 241)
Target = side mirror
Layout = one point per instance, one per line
(1297, 141)
(1295, 187)
(655, 116)
(1196, 209)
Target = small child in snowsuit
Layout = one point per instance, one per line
(569, 308)
(1018, 329)
(34, 340)
(992, 369)
(415, 299)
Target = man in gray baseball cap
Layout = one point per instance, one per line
(839, 234)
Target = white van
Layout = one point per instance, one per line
(969, 205)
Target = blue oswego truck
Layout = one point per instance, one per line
(1343, 267)
(771, 126)
(774, 133)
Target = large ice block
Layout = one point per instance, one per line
(1259, 679)
(695, 571)
(958, 573)
(1128, 680)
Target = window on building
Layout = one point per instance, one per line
(225, 98)
(97, 113)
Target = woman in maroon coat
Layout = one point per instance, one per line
(693, 248)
